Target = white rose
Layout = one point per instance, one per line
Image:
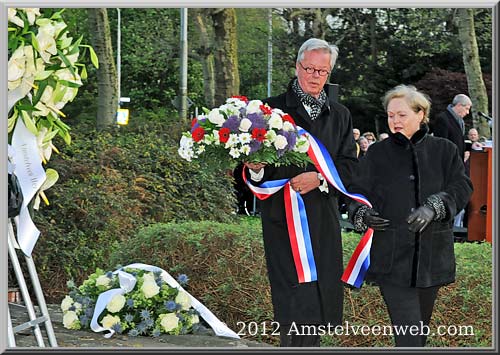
(116, 303)
(184, 300)
(103, 280)
(150, 289)
(66, 303)
(70, 320)
(280, 142)
(275, 121)
(254, 106)
(108, 321)
(245, 125)
(302, 145)
(195, 319)
(216, 117)
(287, 126)
(169, 321)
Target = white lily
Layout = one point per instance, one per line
(51, 178)
(12, 12)
(46, 45)
(17, 64)
(31, 13)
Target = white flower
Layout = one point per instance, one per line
(201, 149)
(302, 145)
(17, 64)
(232, 140)
(66, 303)
(245, 138)
(66, 74)
(186, 153)
(270, 137)
(184, 300)
(108, 321)
(70, 320)
(31, 13)
(46, 45)
(230, 110)
(234, 152)
(13, 18)
(245, 149)
(149, 288)
(287, 126)
(254, 106)
(236, 102)
(216, 117)
(280, 142)
(103, 280)
(275, 121)
(186, 142)
(116, 303)
(78, 307)
(169, 321)
(195, 319)
(245, 125)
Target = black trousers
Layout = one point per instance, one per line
(409, 306)
(296, 340)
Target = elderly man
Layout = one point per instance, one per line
(449, 124)
(318, 302)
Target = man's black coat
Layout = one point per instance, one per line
(446, 126)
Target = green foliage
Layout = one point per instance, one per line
(113, 183)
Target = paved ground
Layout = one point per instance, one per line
(88, 339)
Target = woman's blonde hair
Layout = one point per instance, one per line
(417, 100)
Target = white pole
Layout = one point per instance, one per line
(118, 55)
(184, 58)
(270, 53)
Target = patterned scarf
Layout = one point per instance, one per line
(314, 103)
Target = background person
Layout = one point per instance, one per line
(318, 302)
(416, 183)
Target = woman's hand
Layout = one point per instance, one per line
(305, 182)
(256, 167)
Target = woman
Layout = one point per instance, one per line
(416, 184)
(363, 146)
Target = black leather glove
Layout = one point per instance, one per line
(420, 218)
(372, 220)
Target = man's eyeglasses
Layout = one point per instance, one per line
(309, 70)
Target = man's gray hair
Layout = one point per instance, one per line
(313, 44)
(461, 99)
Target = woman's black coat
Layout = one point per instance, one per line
(321, 301)
(397, 175)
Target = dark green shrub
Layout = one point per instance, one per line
(112, 183)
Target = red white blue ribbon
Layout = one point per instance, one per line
(298, 228)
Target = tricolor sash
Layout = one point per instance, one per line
(298, 229)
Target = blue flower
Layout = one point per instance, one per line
(254, 145)
(181, 317)
(130, 303)
(89, 312)
(291, 139)
(142, 327)
(117, 328)
(257, 120)
(72, 308)
(156, 332)
(233, 123)
(133, 332)
(70, 284)
(129, 317)
(149, 322)
(109, 274)
(183, 279)
(84, 319)
(145, 314)
(170, 306)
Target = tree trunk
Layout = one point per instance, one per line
(107, 79)
(477, 89)
(227, 77)
(205, 52)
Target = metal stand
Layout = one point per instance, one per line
(34, 320)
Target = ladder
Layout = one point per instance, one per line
(35, 320)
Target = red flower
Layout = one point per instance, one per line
(198, 134)
(193, 122)
(242, 98)
(224, 134)
(288, 118)
(259, 134)
(266, 109)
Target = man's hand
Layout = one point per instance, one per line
(305, 182)
(256, 167)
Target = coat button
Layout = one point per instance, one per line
(412, 177)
